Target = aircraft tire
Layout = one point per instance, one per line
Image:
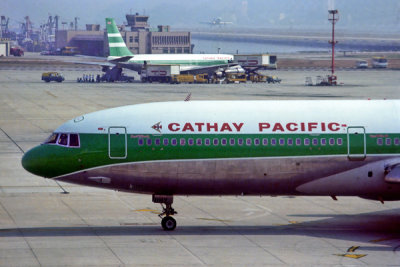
(168, 223)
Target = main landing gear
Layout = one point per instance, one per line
(168, 223)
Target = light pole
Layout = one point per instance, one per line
(333, 18)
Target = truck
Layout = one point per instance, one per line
(158, 73)
(69, 51)
(202, 78)
(183, 78)
(379, 62)
(16, 51)
(257, 78)
(256, 62)
(52, 76)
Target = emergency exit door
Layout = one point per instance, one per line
(356, 143)
(117, 143)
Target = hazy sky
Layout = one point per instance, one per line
(355, 15)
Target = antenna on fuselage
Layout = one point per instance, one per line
(62, 188)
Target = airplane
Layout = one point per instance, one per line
(247, 148)
(121, 56)
(217, 21)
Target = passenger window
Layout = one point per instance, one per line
(165, 141)
(240, 141)
(306, 141)
(207, 141)
(265, 141)
(396, 141)
(257, 142)
(199, 141)
(379, 141)
(340, 141)
(273, 141)
(140, 142)
(63, 140)
(388, 141)
(174, 142)
(215, 141)
(290, 141)
(157, 142)
(232, 141)
(223, 141)
(149, 141)
(182, 141)
(52, 139)
(281, 141)
(331, 141)
(298, 142)
(323, 141)
(73, 140)
(248, 141)
(191, 141)
(315, 141)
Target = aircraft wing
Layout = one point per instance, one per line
(121, 59)
(90, 60)
(102, 62)
(394, 175)
(132, 66)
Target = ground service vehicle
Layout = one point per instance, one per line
(379, 62)
(202, 78)
(273, 79)
(182, 78)
(52, 76)
(361, 64)
(70, 51)
(257, 78)
(158, 73)
(16, 51)
(235, 78)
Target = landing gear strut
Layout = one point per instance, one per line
(168, 223)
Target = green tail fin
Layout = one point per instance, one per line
(115, 42)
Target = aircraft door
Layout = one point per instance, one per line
(117, 143)
(356, 143)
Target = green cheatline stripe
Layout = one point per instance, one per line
(115, 40)
(94, 149)
(120, 51)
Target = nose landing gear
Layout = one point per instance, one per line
(168, 223)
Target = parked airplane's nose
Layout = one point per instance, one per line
(34, 162)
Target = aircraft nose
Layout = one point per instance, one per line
(32, 161)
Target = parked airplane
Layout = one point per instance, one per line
(123, 57)
(321, 148)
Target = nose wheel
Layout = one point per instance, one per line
(168, 223)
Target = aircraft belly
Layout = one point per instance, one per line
(256, 176)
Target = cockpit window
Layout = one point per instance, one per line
(63, 140)
(73, 140)
(52, 139)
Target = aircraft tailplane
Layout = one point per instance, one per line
(115, 42)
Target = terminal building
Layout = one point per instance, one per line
(137, 34)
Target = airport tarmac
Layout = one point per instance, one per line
(39, 226)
